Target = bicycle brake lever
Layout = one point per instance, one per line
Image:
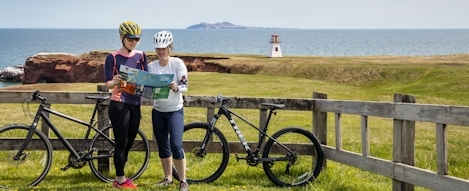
(34, 96)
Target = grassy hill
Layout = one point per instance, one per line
(432, 79)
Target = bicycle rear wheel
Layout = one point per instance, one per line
(298, 167)
(32, 166)
(204, 166)
(102, 163)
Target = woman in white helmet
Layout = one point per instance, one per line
(168, 114)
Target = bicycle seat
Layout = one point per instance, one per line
(98, 98)
(274, 106)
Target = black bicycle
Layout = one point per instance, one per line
(26, 154)
(292, 156)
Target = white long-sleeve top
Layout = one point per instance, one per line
(177, 67)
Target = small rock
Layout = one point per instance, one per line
(12, 73)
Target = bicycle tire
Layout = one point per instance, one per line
(102, 164)
(35, 165)
(202, 169)
(301, 171)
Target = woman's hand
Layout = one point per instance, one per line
(116, 80)
(173, 86)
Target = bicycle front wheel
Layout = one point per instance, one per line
(102, 157)
(298, 165)
(33, 163)
(204, 166)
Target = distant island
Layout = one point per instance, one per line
(224, 25)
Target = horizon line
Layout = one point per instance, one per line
(270, 28)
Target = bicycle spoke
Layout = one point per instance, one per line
(204, 165)
(291, 169)
(32, 165)
(102, 164)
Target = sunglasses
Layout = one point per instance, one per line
(133, 39)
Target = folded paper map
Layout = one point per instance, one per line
(145, 84)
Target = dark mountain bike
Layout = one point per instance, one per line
(26, 154)
(292, 156)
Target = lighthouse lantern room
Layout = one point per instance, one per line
(275, 50)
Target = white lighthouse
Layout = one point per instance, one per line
(275, 50)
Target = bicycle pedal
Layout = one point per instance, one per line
(65, 168)
(238, 158)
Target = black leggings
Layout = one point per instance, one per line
(125, 120)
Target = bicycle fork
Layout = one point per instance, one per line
(20, 155)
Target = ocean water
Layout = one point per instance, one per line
(17, 44)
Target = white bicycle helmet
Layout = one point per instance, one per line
(162, 39)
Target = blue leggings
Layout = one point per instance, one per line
(125, 121)
(172, 124)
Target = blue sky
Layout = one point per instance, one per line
(178, 14)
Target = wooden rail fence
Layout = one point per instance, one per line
(404, 112)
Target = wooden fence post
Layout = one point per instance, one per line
(104, 163)
(262, 120)
(403, 143)
(44, 127)
(102, 110)
(320, 120)
(320, 123)
(210, 113)
(102, 116)
(441, 149)
(338, 130)
(365, 136)
(102, 88)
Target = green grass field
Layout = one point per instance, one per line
(432, 80)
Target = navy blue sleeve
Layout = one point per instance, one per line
(145, 62)
(109, 68)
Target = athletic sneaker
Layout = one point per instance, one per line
(183, 186)
(165, 182)
(128, 184)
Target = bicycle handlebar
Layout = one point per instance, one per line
(221, 99)
(36, 95)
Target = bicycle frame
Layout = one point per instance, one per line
(41, 113)
(252, 156)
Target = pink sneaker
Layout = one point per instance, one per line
(128, 184)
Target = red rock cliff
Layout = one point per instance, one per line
(68, 68)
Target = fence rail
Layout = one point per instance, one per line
(404, 112)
